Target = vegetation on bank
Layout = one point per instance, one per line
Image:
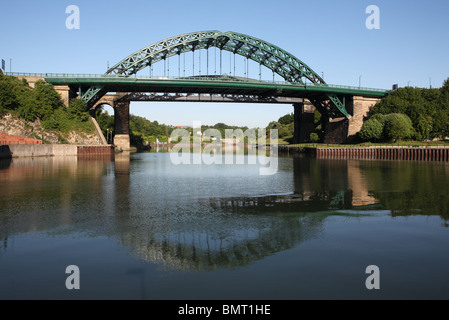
(285, 126)
(409, 114)
(406, 116)
(144, 132)
(42, 103)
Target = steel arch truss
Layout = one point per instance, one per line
(274, 58)
(290, 68)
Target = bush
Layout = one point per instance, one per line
(314, 137)
(372, 130)
(398, 126)
(78, 108)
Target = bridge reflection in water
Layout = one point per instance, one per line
(166, 221)
(235, 231)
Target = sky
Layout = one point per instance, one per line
(410, 47)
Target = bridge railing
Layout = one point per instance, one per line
(56, 75)
(194, 78)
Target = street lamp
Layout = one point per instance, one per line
(360, 81)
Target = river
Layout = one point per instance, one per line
(141, 227)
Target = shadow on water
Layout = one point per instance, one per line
(5, 163)
(156, 213)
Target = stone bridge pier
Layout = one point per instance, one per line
(338, 130)
(121, 119)
(121, 125)
(304, 117)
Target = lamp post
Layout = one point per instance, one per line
(360, 81)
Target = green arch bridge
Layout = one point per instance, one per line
(299, 80)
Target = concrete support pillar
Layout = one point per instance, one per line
(64, 92)
(298, 110)
(121, 125)
(303, 122)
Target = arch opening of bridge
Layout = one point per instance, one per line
(300, 81)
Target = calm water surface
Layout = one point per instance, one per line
(141, 227)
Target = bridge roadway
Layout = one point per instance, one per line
(209, 85)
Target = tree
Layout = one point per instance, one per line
(423, 127)
(8, 98)
(283, 132)
(47, 100)
(372, 130)
(78, 108)
(314, 137)
(398, 126)
(441, 125)
(426, 108)
(445, 88)
(287, 119)
(105, 121)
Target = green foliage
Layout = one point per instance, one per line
(8, 98)
(428, 110)
(273, 125)
(64, 120)
(44, 103)
(287, 119)
(314, 137)
(398, 126)
(46, 100)
(222, 127)
(78, 108)
(16, 96)
(142, 130)
(285, 126)
(445, 88)
(393, 126)
(372, 130)
(105, 121)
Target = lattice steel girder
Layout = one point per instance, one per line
(339, 105)
(279, 61)
(202, 97)
(93, 94)
(330, 105)
(290, 68)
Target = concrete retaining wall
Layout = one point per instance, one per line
(48, 150)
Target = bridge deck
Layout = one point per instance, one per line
(202, 84)
(211, 85)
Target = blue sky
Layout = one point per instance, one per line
(411, 46)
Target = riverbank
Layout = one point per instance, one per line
(46, 150)
(418, 153)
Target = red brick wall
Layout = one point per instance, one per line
(8, 139)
